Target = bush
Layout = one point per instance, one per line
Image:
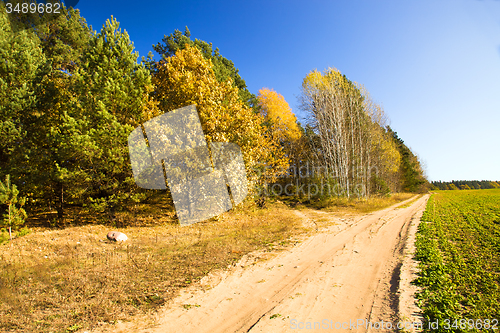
(23, 232)
(4, 236)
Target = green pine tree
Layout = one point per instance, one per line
(222, 67)
(22, 59)
(52, 129)
(114, 98)
(411, 173)
(14, 215)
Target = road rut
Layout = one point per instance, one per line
(344, 278)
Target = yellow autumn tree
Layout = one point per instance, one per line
(282, 126)
(385, 161)
(336, 115)
(279, 115)
(352, 138)
(187, 78)
(385, 158)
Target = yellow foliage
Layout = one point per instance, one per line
(279, 114)
(321, 81)
(385, 150)
(188, 78)
(149, 105)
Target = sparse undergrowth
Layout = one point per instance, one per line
(353, 205)
(409, 203)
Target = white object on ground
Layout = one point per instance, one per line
(117, 236)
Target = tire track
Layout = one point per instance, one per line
(334, 275)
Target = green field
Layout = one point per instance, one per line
(458, 248)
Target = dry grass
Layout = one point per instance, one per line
(72, 279)
(409, 203)
(376, 203)
(354, 205)
(337, 210)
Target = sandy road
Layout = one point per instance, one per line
(340, 279)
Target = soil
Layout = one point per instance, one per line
(352, 276)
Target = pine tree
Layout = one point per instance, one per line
(411, 173)
(15, 214)
(112, 93)
(50, 125)
(22, 60)
(222, 67)
(87, 94)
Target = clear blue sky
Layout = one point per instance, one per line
(434, 65)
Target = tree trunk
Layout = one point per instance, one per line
(60, 203)
(10, 224)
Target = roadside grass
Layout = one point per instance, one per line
(4, 234)
(355, 205)
(74, 278)
(321, 214)
(409, 203)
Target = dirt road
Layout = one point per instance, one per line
(345, 278)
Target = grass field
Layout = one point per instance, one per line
(458, 248)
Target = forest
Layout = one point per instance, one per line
(464, 185)
(71, 95)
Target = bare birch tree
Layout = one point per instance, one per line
(336, 114)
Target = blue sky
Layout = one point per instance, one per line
(433, 65)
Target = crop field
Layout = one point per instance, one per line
(458, 248)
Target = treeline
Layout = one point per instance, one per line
(350, 150)
(70, 96)
(465, 185)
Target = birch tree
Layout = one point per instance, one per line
(336, 115)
